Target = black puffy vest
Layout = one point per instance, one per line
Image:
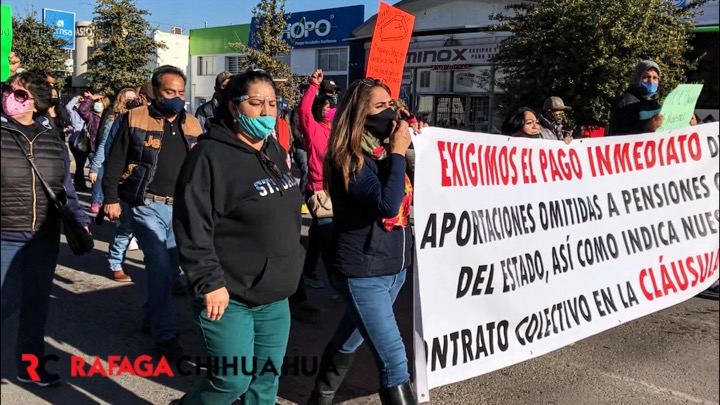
(23, 200)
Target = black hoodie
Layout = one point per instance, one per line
(237, 219)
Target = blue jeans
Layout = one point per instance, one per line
(300, 158)
(97, 193)
(152, 226)
(369, 317)
(243, 333)
(26, 281)
(121, 240)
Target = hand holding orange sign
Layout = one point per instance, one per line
(391, 38)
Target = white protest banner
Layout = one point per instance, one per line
(525, 246)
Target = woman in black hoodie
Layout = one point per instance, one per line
(237, 228)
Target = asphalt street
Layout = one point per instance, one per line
(670, 357)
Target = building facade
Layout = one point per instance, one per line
(318, 37)
(211, 52)
(448, 79)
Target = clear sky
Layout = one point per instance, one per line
(189, 14)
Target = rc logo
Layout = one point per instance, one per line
(35, 367)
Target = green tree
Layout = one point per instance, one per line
(123, 46)
(267, 44)
(585, 51)
(34, 43)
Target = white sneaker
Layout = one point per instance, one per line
(133, 244)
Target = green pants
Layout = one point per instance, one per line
(242, 336)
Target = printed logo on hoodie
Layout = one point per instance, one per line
(269, 185)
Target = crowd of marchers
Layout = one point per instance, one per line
(214, 205)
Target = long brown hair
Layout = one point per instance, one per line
(119, 106)
(344, 151)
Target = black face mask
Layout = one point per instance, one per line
(130, 104)
(55, 101)
(380, 125)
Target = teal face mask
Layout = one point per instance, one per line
(259, 127)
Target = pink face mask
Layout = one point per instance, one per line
(13, 107)
(330, 114)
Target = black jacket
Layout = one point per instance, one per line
(25, 205)
(237, 219)
(631, 112)
(361, 246)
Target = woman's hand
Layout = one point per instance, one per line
(216, 302)
(316, 77)
(92, 177)
(400, 138)
(417, 126)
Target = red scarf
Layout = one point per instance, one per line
(402, 217)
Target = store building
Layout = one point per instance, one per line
(449, 81)
(318, 38)
(210, 54)
(176, 51)
(319, 41)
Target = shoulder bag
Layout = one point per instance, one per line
(320, 205)
(78, 238)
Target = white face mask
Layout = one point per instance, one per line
(97, 107)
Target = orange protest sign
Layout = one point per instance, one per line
(391, 38)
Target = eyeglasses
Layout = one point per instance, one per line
(270, 102)
(265, 159)
(21, 95)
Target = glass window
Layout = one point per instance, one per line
(434, 81)
(479, 113)
(425, 79)
(335, 59)
(234, 64)
(206, 66)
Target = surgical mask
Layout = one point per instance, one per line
(380, 125)
(649, 88)
(132, 103)
(334, 99)
(55, 101)
(172, 105)
(12, 107)
(257, 128)
(97, 106)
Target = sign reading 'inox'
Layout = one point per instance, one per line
(454, 55)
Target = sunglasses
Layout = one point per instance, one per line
(21, 95)
(265, 159)
(372, 82)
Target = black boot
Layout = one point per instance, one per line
(398, 395)
(333, 367)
